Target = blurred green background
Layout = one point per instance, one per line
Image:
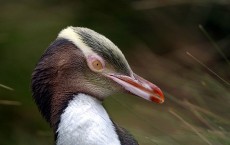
(183, 46)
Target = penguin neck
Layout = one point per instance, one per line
(86, 122)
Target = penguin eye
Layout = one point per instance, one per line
(97, 65)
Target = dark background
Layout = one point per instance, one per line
(180, 45)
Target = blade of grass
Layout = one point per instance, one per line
(202, 119)
(6, 87)
(205, 66)
(143, 119)
(193, 128)
(214, 44)
(7, 102)
(198, 108)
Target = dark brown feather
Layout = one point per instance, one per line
(124, 136)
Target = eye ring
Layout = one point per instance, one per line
(95, 63)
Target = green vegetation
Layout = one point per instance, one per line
(182, 46)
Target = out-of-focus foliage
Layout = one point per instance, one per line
(162, 41)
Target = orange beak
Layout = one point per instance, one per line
(139, 86)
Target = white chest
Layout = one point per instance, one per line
(85, 122)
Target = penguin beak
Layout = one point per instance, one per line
(138, 86)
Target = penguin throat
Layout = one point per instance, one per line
(85, 122)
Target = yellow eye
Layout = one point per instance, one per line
(97, 65)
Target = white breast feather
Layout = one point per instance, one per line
(85, 122)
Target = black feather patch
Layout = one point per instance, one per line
(124, 136)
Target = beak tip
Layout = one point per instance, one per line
(158, 100)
